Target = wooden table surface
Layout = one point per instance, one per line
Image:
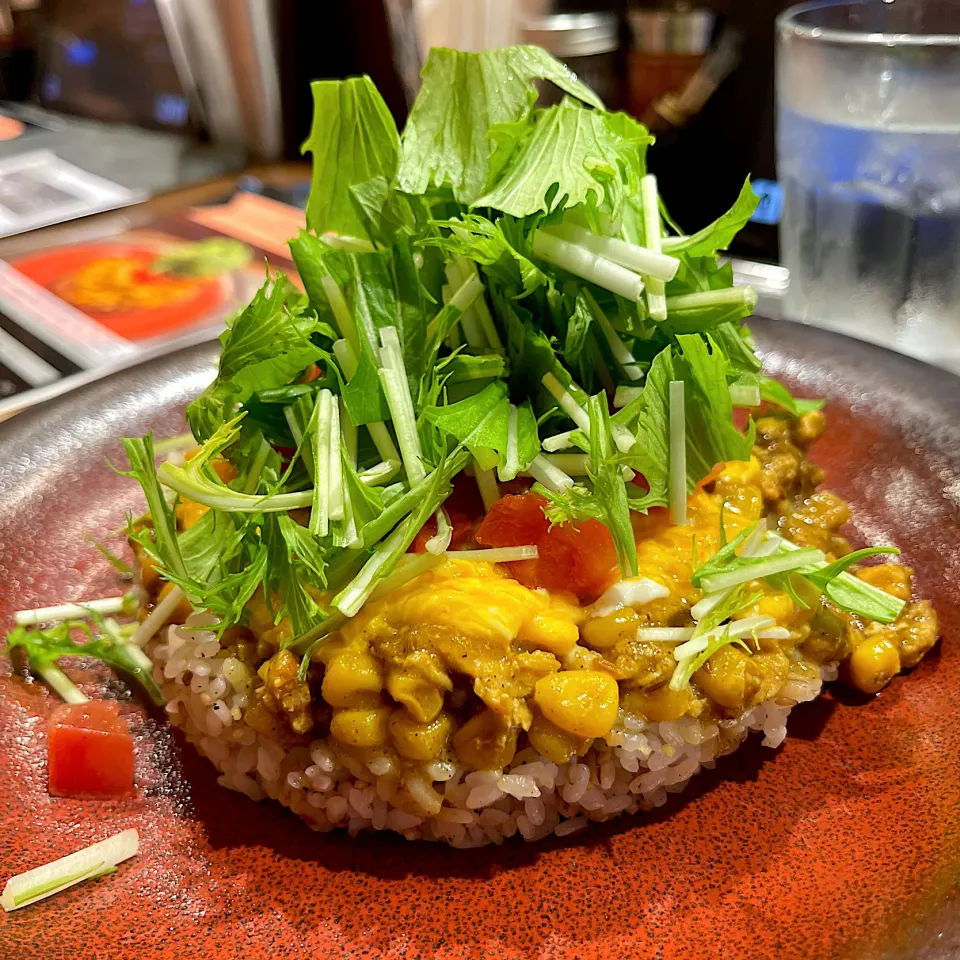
(114, 221)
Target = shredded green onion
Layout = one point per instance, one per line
(341, 312)
(760, 567)
(393, 376)
(569, 406)
(678, 454)
(487, 483)
(126, 604)
(97, 860)
(641, 260)
(626, 395)
(652, 235)
(496, 554)
(583, 263)
(553, 478)
(744, 396)
(560, 441)
(744, 297)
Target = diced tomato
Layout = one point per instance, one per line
(516, 486)
(462, 531)
(89, 751)
(465, 497)
(576, 557)
(741, 418)
(656, 520)
(464, 507)
(310, 374)
(286, 455)
(144, 275)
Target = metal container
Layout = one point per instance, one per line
(682, 31)
(585, 42)
(226, 51)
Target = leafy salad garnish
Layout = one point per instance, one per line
(44, 647)
(476, 289)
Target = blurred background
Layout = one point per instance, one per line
(185, 118)
(155, 94)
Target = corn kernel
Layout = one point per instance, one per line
(485, 742)
(723, 678)
(604, 633)
(352, 674)
(421, 698)
(552, 743)
(362, 727)
(659, 705)
(545, 632)
(419, 741)
(875, 662)
(582, 702)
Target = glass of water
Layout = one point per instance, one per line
(868, 144)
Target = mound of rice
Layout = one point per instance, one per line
(634, 769)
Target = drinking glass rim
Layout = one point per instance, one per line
(788, 21)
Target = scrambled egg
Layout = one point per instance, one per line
(401, 672)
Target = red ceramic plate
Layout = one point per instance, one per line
(843, 843)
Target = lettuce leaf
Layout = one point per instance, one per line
(711, 435)
(446, 140)
(282, 579)
(530, 352)
(268, 344)
(44, 647)
(210, 544)
(649, 419)
(569, 156)
(577, 341)
(719, 234)
(608, 486)
(736, 343)
(387, 212)
(381, 289)
(228, 597)
(386, 291)
(353, 140)
(467, 368)
(772, 391)
(480, 423)
(143, 469)
(485, 242)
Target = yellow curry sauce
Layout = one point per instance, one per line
(465, 663)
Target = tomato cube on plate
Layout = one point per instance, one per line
(89, 751)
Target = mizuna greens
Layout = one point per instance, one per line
(477, 287)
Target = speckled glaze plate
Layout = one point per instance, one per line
(843, 843)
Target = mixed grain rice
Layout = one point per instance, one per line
(635, 768)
